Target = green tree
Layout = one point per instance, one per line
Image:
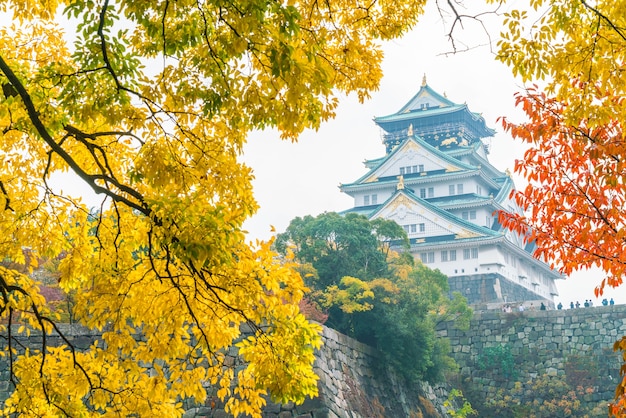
(456, 396)
(148, 103)
(402, 323)
(339, 246)
(374, 293)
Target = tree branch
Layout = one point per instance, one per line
(90, 179)
(7, 203)
(605, 18)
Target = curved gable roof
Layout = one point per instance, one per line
(403, 196)
(426, 98)
(412, 142)
(427, 104)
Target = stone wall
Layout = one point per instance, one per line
(489, 288)
(350, 384)
(576, 343)
(81, 338)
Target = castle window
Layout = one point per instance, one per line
(421, 168)
(470, 253)
(431, 192)
(453, 255)
(422, 227)
(367, 200)
(413, 228)
(444, 256)
(472, 214)
(451, 188)
(411, 169)
(423, 193)
(465, 215)
(428, 258)
(459, 189)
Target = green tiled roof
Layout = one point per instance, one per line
(459, 199)
(428, 105)
(443, 214)
(374, 164)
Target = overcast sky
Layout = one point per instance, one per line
(302, 179)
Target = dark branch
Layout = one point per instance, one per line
(458, 19)
(617, 30)
(7, 203)
(103, 45)
(90, 179)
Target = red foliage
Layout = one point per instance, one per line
(577, 189)
(52, 294)
(311, 311)
(574, 202)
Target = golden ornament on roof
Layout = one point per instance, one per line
(400, 183)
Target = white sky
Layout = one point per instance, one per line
(302, 179)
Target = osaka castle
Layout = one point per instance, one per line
(436, 181)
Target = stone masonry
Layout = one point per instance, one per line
(577, 342)
(540, 342)
(348, 386)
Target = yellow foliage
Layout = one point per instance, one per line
(149, 104)
(578, 48)
(352, 295)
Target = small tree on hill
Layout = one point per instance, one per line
(373, 293)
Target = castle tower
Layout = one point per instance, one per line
(436, 181)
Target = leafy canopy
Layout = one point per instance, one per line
(148, 103)
(373, 293)
(575, 162)
(339, 246)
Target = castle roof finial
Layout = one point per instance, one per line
(400, 185)
(424, 80)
